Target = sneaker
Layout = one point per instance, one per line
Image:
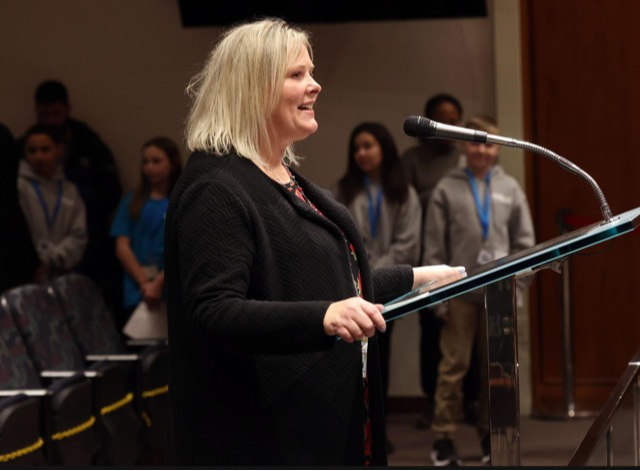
(444, 453)
(485, 443)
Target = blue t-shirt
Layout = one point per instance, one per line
(146, 235)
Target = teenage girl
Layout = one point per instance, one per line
(139, 226)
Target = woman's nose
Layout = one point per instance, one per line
(314, 87)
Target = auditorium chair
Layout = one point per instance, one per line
(55, 354)
(41, 424)
(92, 324)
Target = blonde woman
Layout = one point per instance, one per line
(270, 296)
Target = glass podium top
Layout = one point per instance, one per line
(520, 263)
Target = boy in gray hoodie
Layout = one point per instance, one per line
(51, 204)
(475, 215)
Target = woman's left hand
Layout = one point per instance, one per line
(443, 273)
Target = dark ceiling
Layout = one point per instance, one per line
(208, 13)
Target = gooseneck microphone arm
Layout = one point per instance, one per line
(418, 126)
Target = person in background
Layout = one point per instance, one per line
(386, 211)
(476, 214)
(272, 304)
(18, 258)
(138, 227)
(89, 164)
(51, 204)
(424, 165)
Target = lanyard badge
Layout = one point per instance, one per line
(49, 218)
(374, 208)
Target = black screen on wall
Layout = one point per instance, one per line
(210, 13)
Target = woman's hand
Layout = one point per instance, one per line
(354, 319)
(443, 273)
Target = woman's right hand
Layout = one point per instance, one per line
(354, 319)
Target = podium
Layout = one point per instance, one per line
(498, 279)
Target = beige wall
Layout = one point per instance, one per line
(126, 64)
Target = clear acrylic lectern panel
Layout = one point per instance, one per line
(498, 279)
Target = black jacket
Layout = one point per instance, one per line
(18, 257)
(250, 272)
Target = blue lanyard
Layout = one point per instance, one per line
(374, 209)
(50, 219)
(484, 210)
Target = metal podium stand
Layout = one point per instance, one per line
(498, 279)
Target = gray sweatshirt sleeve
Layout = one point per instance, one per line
(436, 249)
(405, 241)
(68, 252)
(521, 232)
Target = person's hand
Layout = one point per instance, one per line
(353, 319)
(443, 273)
(151, 292)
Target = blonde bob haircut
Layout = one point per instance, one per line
(240, 86)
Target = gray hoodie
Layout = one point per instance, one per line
(60, 245)
(398, 241)
(453, 233)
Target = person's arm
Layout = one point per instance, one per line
(435, 230)
(68, 252)
(405, 243)
(152, 290)
(121, 230)
(436, 250)
(129, 261)
(521, 233)
(216, 252)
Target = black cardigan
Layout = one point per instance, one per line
(250, 272)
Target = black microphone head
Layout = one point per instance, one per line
(417, 126)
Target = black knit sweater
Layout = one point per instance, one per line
(250, 272)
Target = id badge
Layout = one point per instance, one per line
(484, 256)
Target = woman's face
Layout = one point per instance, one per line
(367, 153)
(155, 164)
(294, 118)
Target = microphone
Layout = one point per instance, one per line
(421, 127)
(425, 128)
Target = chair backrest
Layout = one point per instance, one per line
(44, 329)
(88, 315)
(17, 371)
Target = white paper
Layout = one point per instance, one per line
(146, 323)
